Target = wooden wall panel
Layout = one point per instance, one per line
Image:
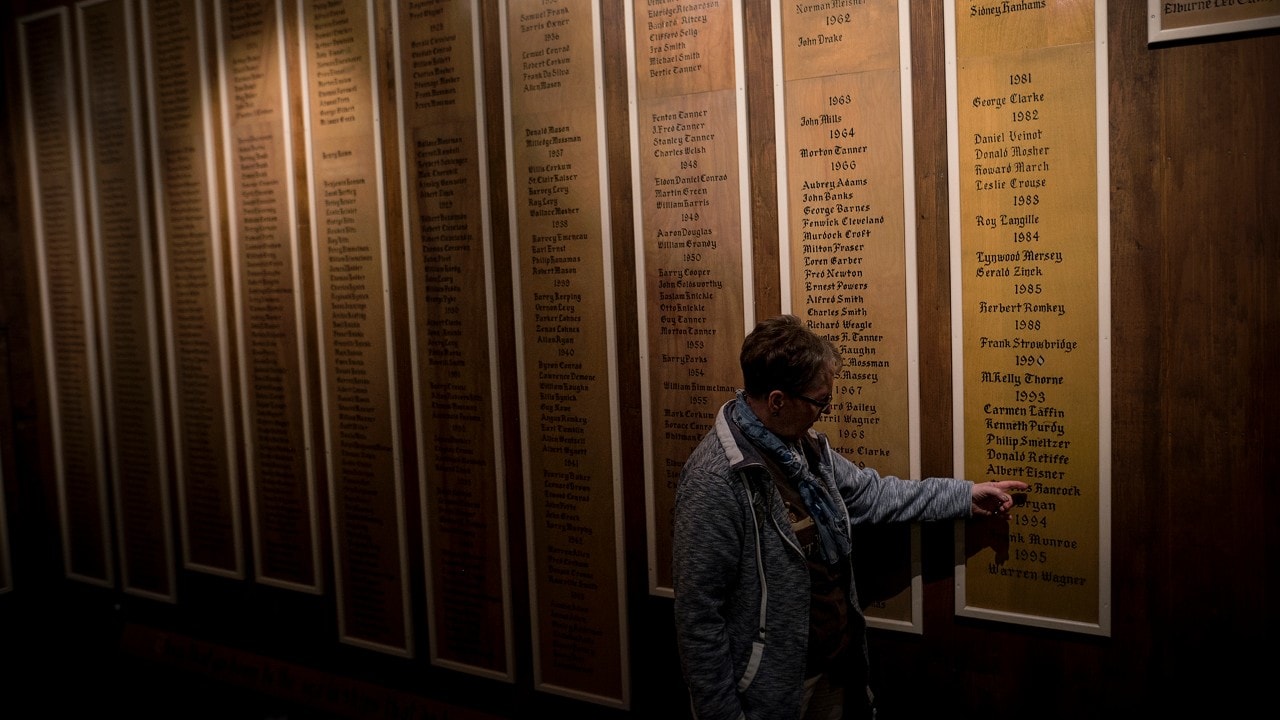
(1193, 334)
(1219, 231)
(1195, 228)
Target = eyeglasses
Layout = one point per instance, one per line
(822, 405)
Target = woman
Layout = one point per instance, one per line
(767, 619)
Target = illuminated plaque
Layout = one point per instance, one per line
(126, 296)
(693, 243)
(847, 210)
(1027, 105)
(262, 218)
(452, 306)
(353, 316)
(562, 260)
(51, 124)
(189, 246)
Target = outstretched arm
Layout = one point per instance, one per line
(992, 498)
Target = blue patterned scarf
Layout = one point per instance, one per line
(833, 538)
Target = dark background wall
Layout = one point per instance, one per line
(1195, 263)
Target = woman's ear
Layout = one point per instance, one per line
(776, 400)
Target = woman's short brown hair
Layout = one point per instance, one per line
(782, 354)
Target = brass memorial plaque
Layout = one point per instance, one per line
(126, 267)
(191, 259)
(561, 254)
(848, 249)
(262, 218)
(357, 367)
(452, 304)
(1029, 252)
(51, 125)
(692, 246)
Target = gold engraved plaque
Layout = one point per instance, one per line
(51, 125)
(263, 222)
(1029, 253)
(190, 253)
(690, 125)
(349, 229)
(561, 254)
(451, 289)
(126, 267)
(848, 246)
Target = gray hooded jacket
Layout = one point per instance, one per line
(740, 577)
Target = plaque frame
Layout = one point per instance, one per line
(1103, 256)
(6, 560)
(1158, 32)
(146, 243)
(239, 302)
(223, 352)
(617, 516)
(373, 67)
(915, 625)
(643, 302)
(89, 317)
(491, 335)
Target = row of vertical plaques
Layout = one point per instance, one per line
(235, 206)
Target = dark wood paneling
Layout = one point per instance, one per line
(763, 162)
(1217, 225)
(1195, 256)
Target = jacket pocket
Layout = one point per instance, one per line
(753, 666)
